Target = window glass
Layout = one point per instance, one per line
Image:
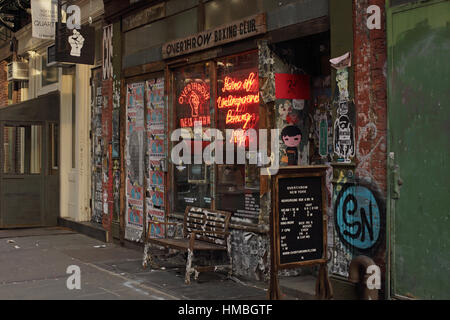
(192, 98)
(53, 147)
(22, 149)
(49, 75)
(35, 149)
(14, 146)
(237, 106)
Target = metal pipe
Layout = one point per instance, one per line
(358, 274)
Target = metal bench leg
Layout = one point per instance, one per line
(230, 257)
(148, 258)
(145, 258)
(189, 269)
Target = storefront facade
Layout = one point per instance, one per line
(232, 72)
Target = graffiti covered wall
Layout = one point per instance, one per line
(97, 146)
(359, 182)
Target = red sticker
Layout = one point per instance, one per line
(292, 86)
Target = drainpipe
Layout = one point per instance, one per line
(358, 274)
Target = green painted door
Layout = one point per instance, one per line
(419, 148)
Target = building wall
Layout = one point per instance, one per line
(367, 91)
(3, 84)
(371, 105)
(370, 96)
(364, 179)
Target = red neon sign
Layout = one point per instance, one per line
(237, 102)
(196, 95)
(229, 84)
(238, 105)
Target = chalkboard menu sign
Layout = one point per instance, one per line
(299, 216)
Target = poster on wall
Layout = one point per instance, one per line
(107, 180)
(134, 162)
(44, 15)
(291, 120)
(344, 134)
(156, 150)
(291, 91)
(97, 147)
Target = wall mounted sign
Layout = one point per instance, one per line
(107, 51)
(238, 30)
(76, 45)
(44, 15)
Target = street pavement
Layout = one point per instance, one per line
(34, 262)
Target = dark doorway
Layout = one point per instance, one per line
(29, 173)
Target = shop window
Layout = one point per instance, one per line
(232, 106)
(192, 100)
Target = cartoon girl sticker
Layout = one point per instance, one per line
(291, 136)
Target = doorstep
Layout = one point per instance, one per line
(299, 287)
(90, 229)
(304, 288)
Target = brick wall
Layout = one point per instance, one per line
(370, 58)
(3, 84)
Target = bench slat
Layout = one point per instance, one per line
(219, 218)
(202, 227)
(207, 223)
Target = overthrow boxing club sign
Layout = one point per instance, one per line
(245, 28)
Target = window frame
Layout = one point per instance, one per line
(172, 121)
(41, 90)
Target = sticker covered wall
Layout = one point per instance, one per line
(156, 150)
(134, 157)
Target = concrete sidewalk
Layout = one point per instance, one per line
(33, 264)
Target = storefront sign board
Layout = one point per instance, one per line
(238, 30)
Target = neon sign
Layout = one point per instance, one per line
(248, 84)
(238, 105)
(196, 95)
(237, 102)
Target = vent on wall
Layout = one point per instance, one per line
(17, 71)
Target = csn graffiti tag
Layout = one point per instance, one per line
(358, 217)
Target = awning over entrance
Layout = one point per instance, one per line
(43, 108)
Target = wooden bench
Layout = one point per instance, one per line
(203, 230)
